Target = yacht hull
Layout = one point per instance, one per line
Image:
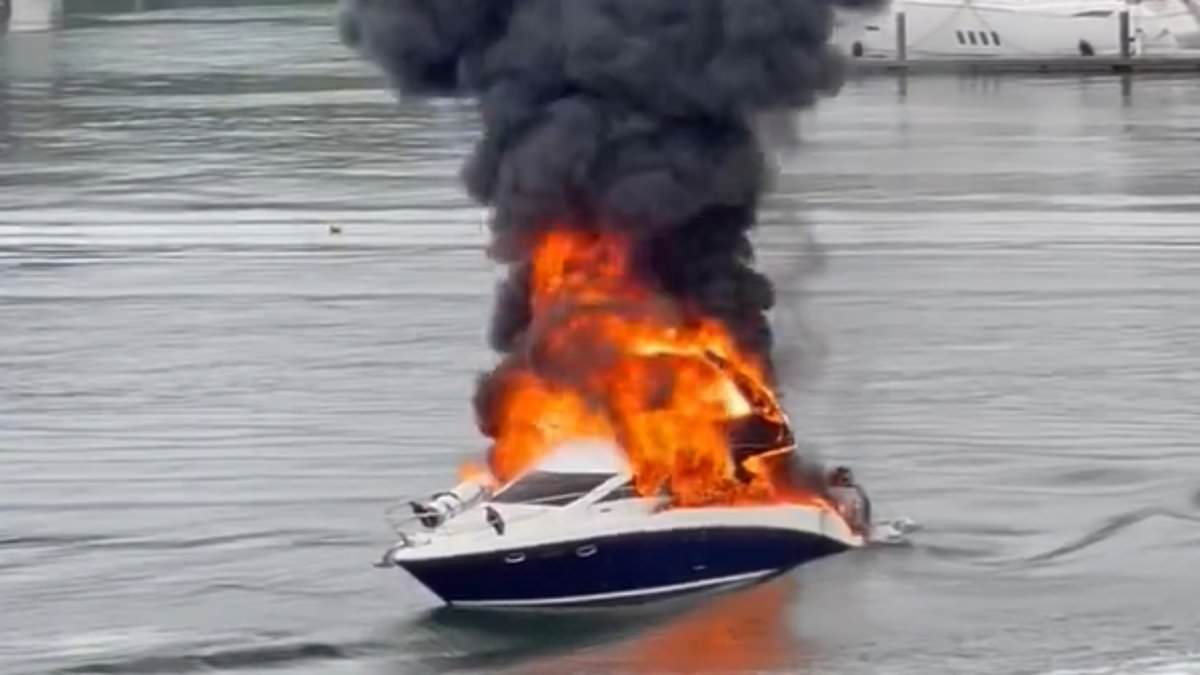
(1018, 30)
(619, 569)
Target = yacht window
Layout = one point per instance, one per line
(961, 40)
(550, 488)
(971, 36)
(983, 37)
(995, 38)
(624, 491)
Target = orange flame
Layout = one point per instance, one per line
(606, 357)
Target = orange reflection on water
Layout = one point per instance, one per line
(739, 632)
(746, 631)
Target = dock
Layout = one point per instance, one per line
(1061, 65)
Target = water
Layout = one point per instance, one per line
(207, 399)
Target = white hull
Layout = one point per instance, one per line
(998, 29)
(28, 16)
(531, 527)
(569, 536)
(616, 553)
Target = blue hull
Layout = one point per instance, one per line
(618, 570)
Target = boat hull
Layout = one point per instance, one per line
(621, 569)
(1015, 30)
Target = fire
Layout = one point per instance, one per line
(607, 357)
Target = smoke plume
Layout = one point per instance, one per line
(635, 116)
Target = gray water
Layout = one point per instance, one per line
(207, 399)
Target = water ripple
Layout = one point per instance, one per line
(226, 659)
(1110, 529)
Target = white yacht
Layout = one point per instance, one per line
(573, 532)
(1020, 29)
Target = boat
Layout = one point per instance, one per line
(573, 532)
(20, 16)
(1016, 29)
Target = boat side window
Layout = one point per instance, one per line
(961, 39)
(983, 37)
(550, 488)
(625, 490)
(971, 36)
(995, 38)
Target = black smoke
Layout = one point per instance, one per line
(636, 115)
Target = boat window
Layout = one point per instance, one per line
(971, 36)
(961, 40)
(624, 491)
(983, 37)
(550, 488)
(995, 38)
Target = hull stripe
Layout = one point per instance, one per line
(602, 597)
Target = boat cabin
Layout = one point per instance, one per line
(578, 474)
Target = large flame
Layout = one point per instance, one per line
(606, 357)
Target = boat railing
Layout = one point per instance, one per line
(430, 512)
(412, 519)
(404, 524)
(409, 518)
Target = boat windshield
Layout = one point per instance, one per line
(626, 490)
(550, 488)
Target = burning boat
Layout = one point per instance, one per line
(637, 448)
(573, 531)
(575, 528)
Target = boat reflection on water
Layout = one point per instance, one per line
(748, 631)
(741, 631)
